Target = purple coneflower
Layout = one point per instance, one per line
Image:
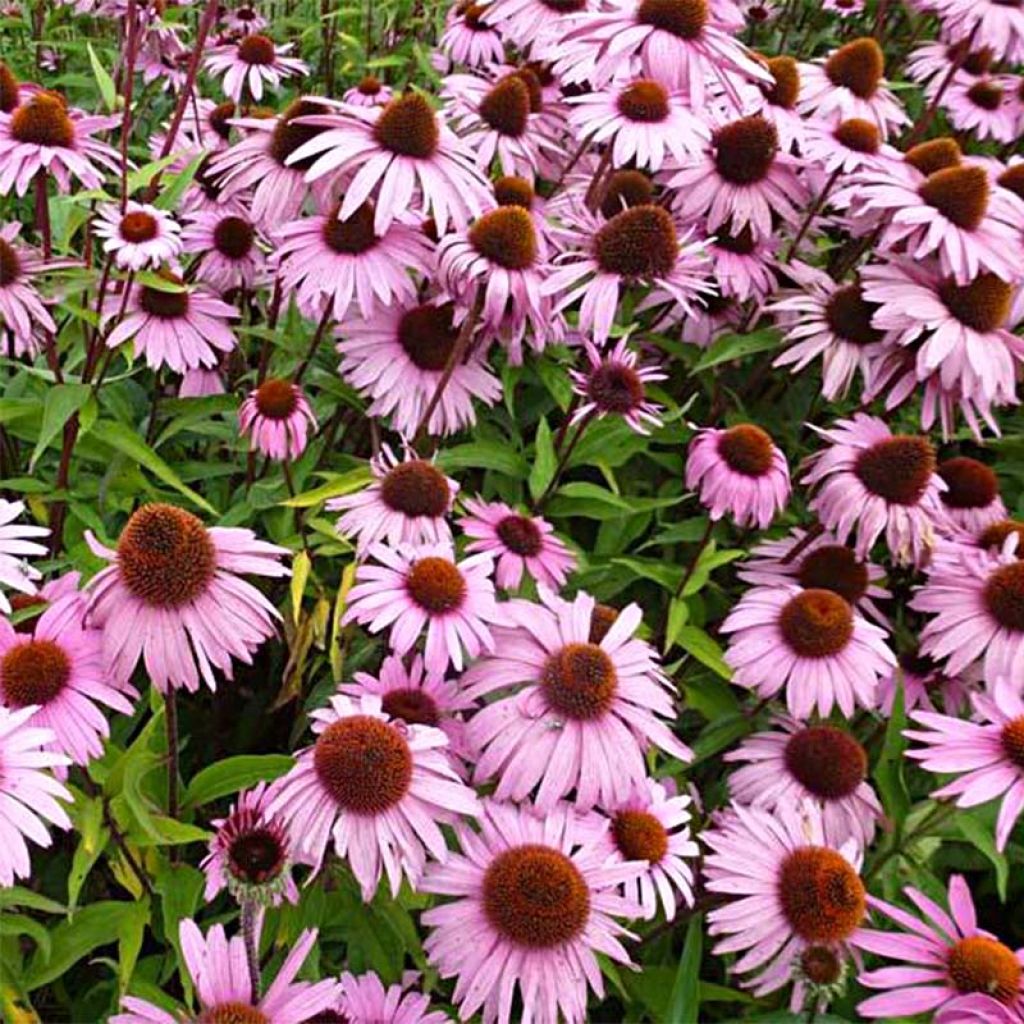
(173, 595)
(277, 417)
(244, 20)
(227, 245)
(531, 25)
(997, 24)
(922, 682)
(16, 544)
(142, 236)
(22, 312)
(984, 108)
(971, 498)
(615, 385)
(365, 1000)
(369, 92)
(254, 61)
(469, 39)
(777, 101)
(744, 266)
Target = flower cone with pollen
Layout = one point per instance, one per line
(408, 126)
(857, 66)
(934, 155)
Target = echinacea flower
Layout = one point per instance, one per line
(571, 712)
(742, 179)
(418, 697)
(871, 481)
(470, 40)
(932, 62)
(946, 953)
(44, 135)
(986, 755)
(922, 681)
(776, 101)
(250, 64)
(175, 325)
(615, 384)
(740, 471)
(540, 905)
(141, 236)
(652, 825)
(852, 146)
(794, 896)
(403, 152)
(200, 383)
(635, 247)
(398, 356)
(407, 502)
(520, 543)
(744, 266)
(979, 1008)
(244, 20)
(365, 1000)
(332, 263)
(58, 668)
(993, 23)
(971, 498)
(675, 42)
(849, 83)
(16, 544)
(641, 122)
(531, 24)
(818, 563)
(420, 587)
(369, 91)
(29, 792)
(225, 991)
(379, 788)
(813, 643)
(250, 853)
(228, 251)
(795, 763)
(984, 108)
(277, 417)
(22, 312)
(173, 595)
(829, 319)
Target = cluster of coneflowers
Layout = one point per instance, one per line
(514, 753)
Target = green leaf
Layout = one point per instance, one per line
(126, 441)
(982, 839)
(718, 735)
(684, 1003)
(61, 403)
(889, 770)
(736, 346)
(168, 198)
(106, 84)
(22, 924)
(93, 838)
(500, 457)
(543, 470)
(129, 940)
(704, 648)
(301, 566)
(93, 926)
(339, 484)
(159, 283)
(16, 896)
(710, 697)
(233, 774)
(180, 886)
(145, 174)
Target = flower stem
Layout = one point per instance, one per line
(171, 721)
(313, 346)
(129, 80)
(564, 459)
(252, 953)
(926, 118)
(816, 208)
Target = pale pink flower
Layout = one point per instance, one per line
(228, 249)
(277, 418)
(23, 313)
(469, 39)
(986, 108)
(531, 25)
(244, 20)
(744, 266)
(971, 499)
(615, 384)
(991, 23)
(369, 92)
(17, 543)
(365, 1000)
(200, 383)
(141, 236)
(251, 64)
(922, 682)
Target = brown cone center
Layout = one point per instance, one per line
(857, 66)
(9, 92)
(411, 706)
(416, 488)
(407, 126)
(684, 19)
(816, 623)
(934, 155)
(848, 315)
(645, 101)
(33, 673)
(234, 237)
(579, 682)
(970, 483)
(639, 836)
(626, 189)
(744, 150)
(746, 449)
(615, 388)
(995, 535)
(353, 236)
(981, 964)
(138, 227)
(520, 535)
(826, 761)
(638, 242)
(986, 95)
(232, 1013)
(288, 136)
(822, 897)
(427, 336)
(1004, 596)
(277, 398)
(898, 469)
(960, 194)
(436, 585)
(256, 856)
(257, 49)
(506, 236)
(43, 121)
(785, 88)
(859, 135)
(983, 305)
(10, 264)
(834, 567)
(514, 191)
(506, 107)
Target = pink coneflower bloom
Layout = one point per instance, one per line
(58, 668)
(641, 121)
(992, 23)
(531, 25)
(777, 99)
(742, 179)
(674, 42)
(977, 598)
(173, 595)
(224, 988)
(952, 214)
(44, 134)
(369, 92)
(470, 40)
(330, 263)
(846, 147)
(922, 681)
(615, 385)
(182, 327)
(22, 312)
(407, 503)
(931, 63)
(421, 587)
(987, 754)
(740, 471)
(829, 319)
(379, 788)
(250, 854)
(496, 268)
(244, 20)
(822, 564)
(61, 596)
(871, 481)
(228, 248)
(404, 152)
(796, 763)
(574, 712)
(200, 383)
(365, 1000)
(844, 8)
(540, 901)
(16, 544)
(277, 417)
(849, 83)
(30, 793)
(795, 898)
(397, 358)
(985, 108)
(261, 162)
(142, 236)
(961, 326)
(636, 247)
(979, 1008)
(417, 697)
(950, 956)
(971, 498)
(743, 265)
(250, 63)
(521, 544)
(813, 643)
(13, 92)
(652, 825)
